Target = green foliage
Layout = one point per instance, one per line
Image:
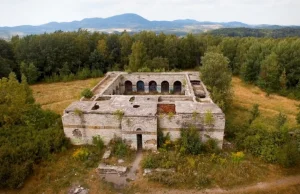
(189, 142)
(87, 93)
(81, 154)
(251, 32)
(98, 142)
(119, 114)
(217, 77)
(78, 112)
(119, 147)
(269, 73)
(209, 118)
(237, 157)
(170, 115)
(30, 71)
(281, 120)
(254, 113)
(165, 159)
(288, 155)
(28, 134)
(138, 56)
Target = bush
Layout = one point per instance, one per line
(237, 157)
(28, 134)
(119, 147)
(87, 93)
(288, 155)
(81, 154)
(189, 141)
(98, 142)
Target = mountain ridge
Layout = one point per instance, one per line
(128, 21)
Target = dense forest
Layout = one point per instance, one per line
(273, 64)
(277, 32)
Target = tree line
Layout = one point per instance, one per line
(277, 32)
(273, 64)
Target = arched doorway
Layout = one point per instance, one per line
(165, 87)
(177, 87)
(128, 87)
(140, 86)
(152, 86)
(139, 139)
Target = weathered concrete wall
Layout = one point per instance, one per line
(146, 126)
(115, 88)
(175, 123)
(158, 78)
(89, 125)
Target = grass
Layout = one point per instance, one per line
(207, 170)
(62, 171)
(246, 95)
(58, 96)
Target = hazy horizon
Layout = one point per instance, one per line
(37, 12)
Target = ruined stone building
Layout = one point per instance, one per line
(134, 106)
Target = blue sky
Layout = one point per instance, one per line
(35, 12)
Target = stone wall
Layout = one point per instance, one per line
(146, 126)
(89, 125)
(173, 125)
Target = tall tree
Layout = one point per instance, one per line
(138, 56)
(269, 73)
(217, 77)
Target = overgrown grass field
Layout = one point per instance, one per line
(57, 96)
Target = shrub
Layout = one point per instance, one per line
(98, 142)
(119, 147)
(237, 157)
(288, 155)
(87, 93)
(254, 113)
(81, 154)
(211, 146)
(189, 141)
(202, 181)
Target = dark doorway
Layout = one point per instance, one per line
(140, 86)
(128, 87)
(165, 87)
(139, 139)
(177, 87)
(139, 142)
(152, 86)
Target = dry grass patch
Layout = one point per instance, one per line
(57, 96)
(245, 95)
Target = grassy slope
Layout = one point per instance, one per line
(57, 96)
(245, 96)
(58, 174)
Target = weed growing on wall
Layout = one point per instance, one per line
(119, 114)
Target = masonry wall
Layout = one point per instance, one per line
(89, 125)
(173, 125)
(146, 126)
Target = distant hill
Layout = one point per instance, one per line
(130, 22)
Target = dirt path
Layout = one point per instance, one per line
(262, 186)
(121, 181)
